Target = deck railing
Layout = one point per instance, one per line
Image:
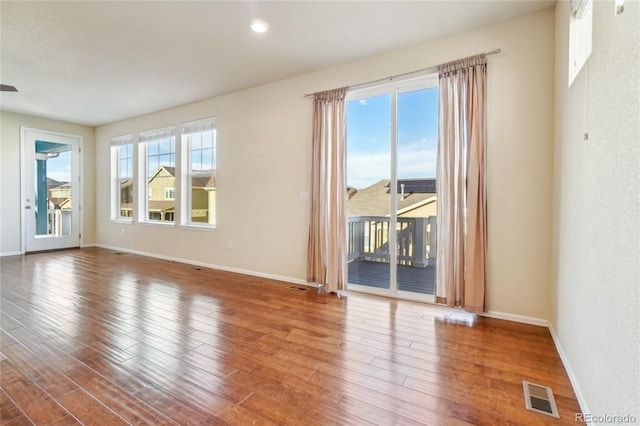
(59, 222)
(416, 239)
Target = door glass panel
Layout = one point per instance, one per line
(416, 190)
(53, 198)
(368, 205)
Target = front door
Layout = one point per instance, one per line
(50, 190)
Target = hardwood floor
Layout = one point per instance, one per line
(92, 337)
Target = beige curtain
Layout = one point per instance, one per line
(327, 246)
(462, 205)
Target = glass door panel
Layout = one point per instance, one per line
(53, 196)
(416, 190)
(368, 179)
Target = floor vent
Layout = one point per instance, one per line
(540, 399)
(296, 288)
(196, 269)
(119, 253)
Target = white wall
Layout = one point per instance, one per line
(596, 215)
(10, 213)
(264, 163)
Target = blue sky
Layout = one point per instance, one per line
(59, 168)
(368, 135)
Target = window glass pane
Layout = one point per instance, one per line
(165, 146)
(160, 203)
(124, 191)
(207, 139)
(152, 147)
(154, 165)
(207, 159)
(196, 160)
(201, 205)
(166, 160)
(196, 141)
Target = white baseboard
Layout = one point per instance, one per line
(567, 366)
(517, 318)
(88, 245)
(11, 253)
(209, 265)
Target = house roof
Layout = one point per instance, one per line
(58, 201)
(51, 183)
(161, 206)
(204, 182)
(421, 186)
(170, 170)
(374, 200)
(196, 182)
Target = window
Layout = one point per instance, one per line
(169, 194)
(199, 173)
(157, 175)
(122, 178)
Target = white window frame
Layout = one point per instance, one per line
(116, 203)
(144, 193)
(188, 129)
(169, 193)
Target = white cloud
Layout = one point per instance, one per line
(416, 159)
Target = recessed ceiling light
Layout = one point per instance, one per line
(259, 26)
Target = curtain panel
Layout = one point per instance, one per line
(327, 246)
(461, 164)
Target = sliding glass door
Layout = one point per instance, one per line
(391, 194)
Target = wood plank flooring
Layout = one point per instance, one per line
(93, 337)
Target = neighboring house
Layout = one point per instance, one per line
(126, 198)
(416, 198)
(368, 212)
(162, 193)
(203, 199)
(59, 195)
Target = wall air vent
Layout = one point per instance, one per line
(540, 399)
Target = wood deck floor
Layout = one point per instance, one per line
(376, 274)
(92, 337)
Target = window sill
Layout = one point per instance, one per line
(122, 221)
(196, 227)
(157, 223)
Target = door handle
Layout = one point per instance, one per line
(27, 207)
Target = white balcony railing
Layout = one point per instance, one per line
(416, 239)
(59, 222)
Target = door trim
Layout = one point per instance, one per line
(23, 190)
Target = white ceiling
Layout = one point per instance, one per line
(98, 62)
